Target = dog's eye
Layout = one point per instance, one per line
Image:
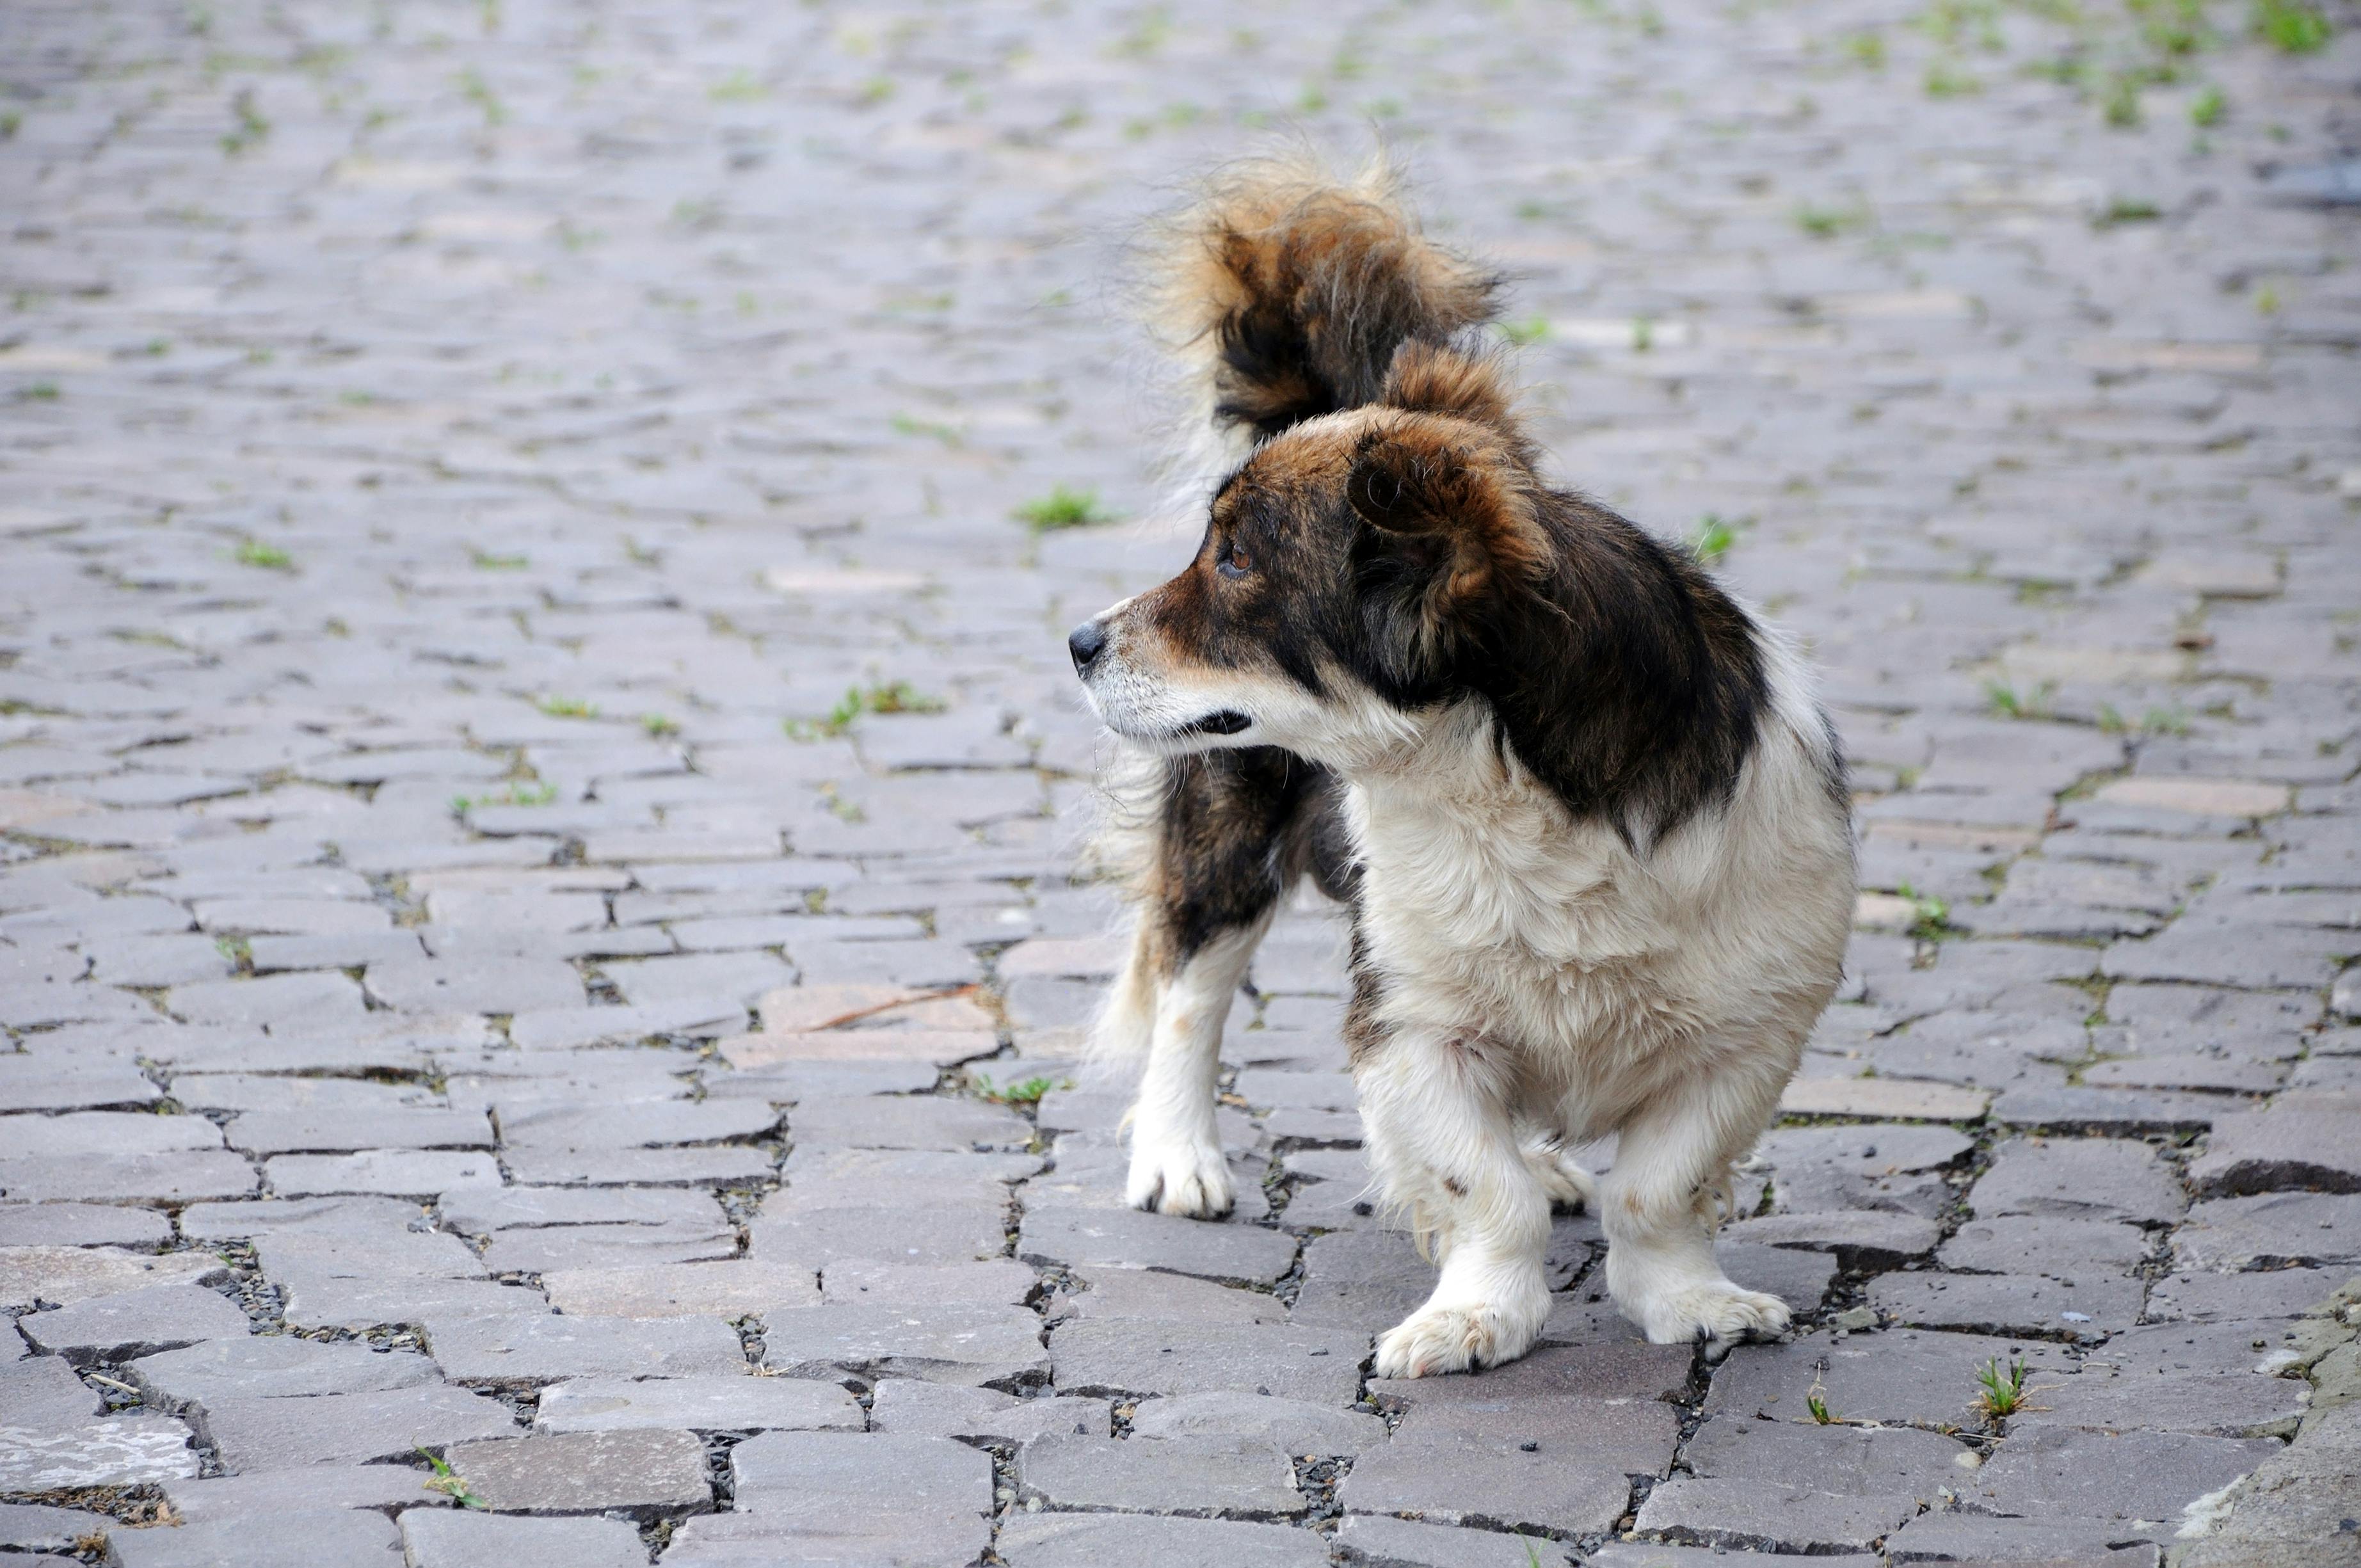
(1238, 562)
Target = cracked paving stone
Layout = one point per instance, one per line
(2277, 1230)
(1376, 1538)
(1091, 1540)
(460, 1538)
(229, 1498)
(1858, 1238)
(2038, 1244)
(1639, 1371)
(189, 1177)
(641, 1471)
(133, 1323)
(63, 1275)
(997, 1282)
(52, 1435)
(1493, 1483)
(1144, 1293)
(403, 1173)
(1138, 1356)
(709, 1403)
(907, 1122)
(2310, 1141)
(1234, 1476)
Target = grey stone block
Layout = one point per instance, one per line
(1383, 1542)
(2107, 1474)
(1459, 1477)
(549, 1348)
(996, 1282)
(2310, 1142)
(974, 1345)
(1641, 1371)
(313, 1488)
(2273, 1231)
(1851, 1461)
(1858, 1238)
(2088, 1304)
(1296, 1426)
(907, 1122)
(642, 1472)
(1903, 1377)
(344, 1131)
(1137, 1357)
(274, 1366)
(710, 1403)
(335, 1537)
(410, 1173)
(1767, 1515)
(737, 1289)
(457, 1538)
(820, 1497)
(1941, 1537)
(1081, 1237)
(189, 1177)
(133, 1323)
(2088, 1178)
(36, 1526)
(912, 1407)
(56, 1276)
(253, 1433)
(947, 1231)
(477, 1211)
(1093, 1541)
(81, 1224)
(1238, 1477)
(2042, 1244)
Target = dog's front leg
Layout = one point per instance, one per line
(1446, 1149)
(1175, 1152)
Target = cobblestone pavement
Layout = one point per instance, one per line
(449, 1010)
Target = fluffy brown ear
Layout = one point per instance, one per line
(1435, 378)
(1461, 492)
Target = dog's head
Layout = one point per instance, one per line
(1348, 569)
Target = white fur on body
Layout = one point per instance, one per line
(1543, 983)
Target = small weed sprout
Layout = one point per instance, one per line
(895, 696)
(659, 727)
(520, 793)
(1028, 1091)
(450, 1483)
(2001, 1393)
(486, 561)
(1526, 333)
(2130, 210)
(1062, 509)
(1713, 536)
(568, 706)
(2007, 701)
(1930, 918)
(2205, 111)
(269, 557)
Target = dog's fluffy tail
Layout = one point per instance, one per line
(1287, 292)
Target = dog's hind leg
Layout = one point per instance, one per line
(1659, 1205)
(1446, 1148)
(1227, 838)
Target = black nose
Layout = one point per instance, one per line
(1085, 643)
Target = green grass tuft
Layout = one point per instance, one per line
(1062, 508)
(2292, 26)
(1526, 333)
(255, 553)
(1713, 536)
(2001, 1394)
(567, 707)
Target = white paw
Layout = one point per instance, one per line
(1436, 1340)
(1718, 1312)
(1173, 1176)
